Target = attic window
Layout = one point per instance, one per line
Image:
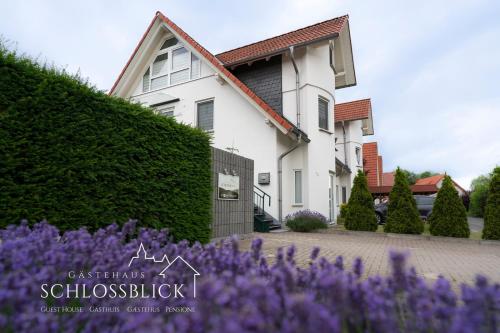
(174, 64)
(160, 64)
(168, 43)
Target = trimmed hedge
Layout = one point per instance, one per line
(448, 217)
(77, 157)
(402, 212)
(492, 210)
(360, 211)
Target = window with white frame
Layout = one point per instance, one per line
(323, 113)
(205, 115)
(166, 110)
(298, 187)
(344, 194)
(173, 64)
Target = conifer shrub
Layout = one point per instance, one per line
(402, 212)
(492, 211)
(360, 213)
(448, 217)
(79, 158)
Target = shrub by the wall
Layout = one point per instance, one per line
(305, 221)
(343, 213)
(360, 212)
(492, 211)
(402, 213)
(77, 157)
(448, 217)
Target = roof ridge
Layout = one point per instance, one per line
(280, 35)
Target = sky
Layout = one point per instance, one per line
(431, 68)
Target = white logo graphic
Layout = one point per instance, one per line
(142, 254)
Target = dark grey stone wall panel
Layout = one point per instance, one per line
(232, 217)
(264, 78)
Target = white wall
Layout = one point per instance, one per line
(318, 156)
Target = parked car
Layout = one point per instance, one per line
(424, 206)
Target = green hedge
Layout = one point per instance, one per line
(77, 157)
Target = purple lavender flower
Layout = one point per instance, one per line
(236, 290)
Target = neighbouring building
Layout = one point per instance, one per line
(353, 120)
(423, 186)
(272, 101)
(372, 164)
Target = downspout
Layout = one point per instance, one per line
(299, 139)
(280, 177)
(297, 85)
(345, 144)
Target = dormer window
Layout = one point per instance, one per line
(172, 65)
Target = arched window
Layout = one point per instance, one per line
(172, 65)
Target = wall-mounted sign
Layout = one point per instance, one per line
(229, 187)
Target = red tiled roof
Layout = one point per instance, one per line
(281, 43)
(388, 178)
(415, 189)
(354, 110)
(380, 169)
(370, 163)
(216, 63)
(432, 180)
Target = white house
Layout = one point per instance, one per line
(272, 101)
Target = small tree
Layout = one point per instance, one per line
(448, 217)
(402, 213)
(492, 211)
(360, 213)
(479, 194)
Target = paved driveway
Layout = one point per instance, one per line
(475, 223)
(457, 260)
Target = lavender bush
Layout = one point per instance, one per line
(236, 291)
(305, 220)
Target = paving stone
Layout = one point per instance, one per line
(458, 261)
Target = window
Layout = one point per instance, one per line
(358, 155)
(323, 113)
(160, 64)
(337, 194)
(145, 81)
(205, 115)
(174, 64)
(195, 67)
(167, 111)
(344, 194)
(298, 186)
(168, 43)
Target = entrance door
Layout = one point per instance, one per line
(331, 198)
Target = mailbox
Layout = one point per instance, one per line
(264, 178)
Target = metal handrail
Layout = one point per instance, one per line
(260, 199)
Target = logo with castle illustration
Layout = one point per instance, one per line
(178, 261)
